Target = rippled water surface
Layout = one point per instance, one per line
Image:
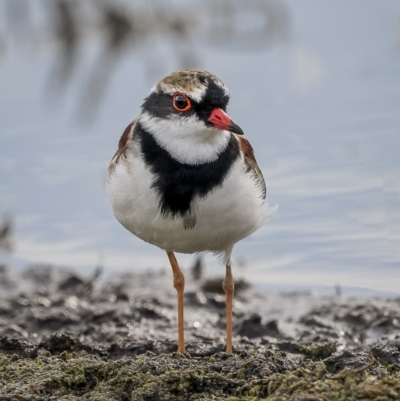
(321, 107)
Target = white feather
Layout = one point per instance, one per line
(196, 93)
(187, 139)
(227, 215)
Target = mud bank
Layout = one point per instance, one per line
(64, 336)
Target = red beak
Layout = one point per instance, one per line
(219, 119)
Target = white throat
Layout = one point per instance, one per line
(186, 139)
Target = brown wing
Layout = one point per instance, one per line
(122, 145)
(251, 163)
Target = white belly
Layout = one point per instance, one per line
(227, 215)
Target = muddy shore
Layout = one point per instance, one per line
(65, 336)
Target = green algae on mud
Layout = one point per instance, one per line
(63, 336)
(244, 376)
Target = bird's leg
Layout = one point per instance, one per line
(228, 286)
(179, 284)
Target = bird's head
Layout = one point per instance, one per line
(186, 114)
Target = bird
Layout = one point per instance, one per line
(185, 179)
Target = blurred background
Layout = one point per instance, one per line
(315, 86)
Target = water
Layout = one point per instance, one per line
(321, 108)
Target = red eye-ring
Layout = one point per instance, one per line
(181, 102)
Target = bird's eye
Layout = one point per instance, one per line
(181, 102)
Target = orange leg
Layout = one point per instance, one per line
(228, 286)
(179, 284)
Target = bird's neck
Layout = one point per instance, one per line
(187, 140)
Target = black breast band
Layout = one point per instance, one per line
(177, 184)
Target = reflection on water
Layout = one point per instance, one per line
(321, 108)
(145, 29)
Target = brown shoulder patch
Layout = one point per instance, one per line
(246, 148)
(127, 134)
(251, 163)
(122, 148)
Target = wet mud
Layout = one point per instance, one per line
(66, 336)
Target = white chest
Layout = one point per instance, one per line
(226, 215)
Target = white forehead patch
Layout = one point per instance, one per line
(196, 93)
(189, 84)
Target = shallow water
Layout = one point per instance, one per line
(321, 108)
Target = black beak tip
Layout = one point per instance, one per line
(235, 129)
